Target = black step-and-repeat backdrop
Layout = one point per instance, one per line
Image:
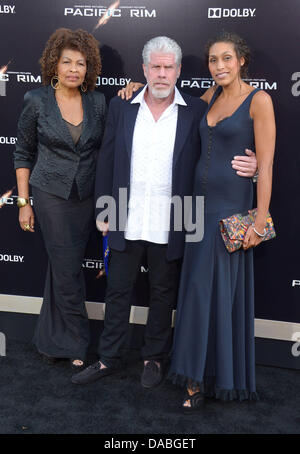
(271, 28)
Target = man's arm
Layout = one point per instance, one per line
(245, 166)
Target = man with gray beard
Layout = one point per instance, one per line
(151, 146)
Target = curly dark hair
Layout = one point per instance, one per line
(240, 47)
(80, 40)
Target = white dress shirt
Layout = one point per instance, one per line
(151, 172)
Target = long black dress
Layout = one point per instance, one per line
(214, 333)
(61, 158)
(62, 330)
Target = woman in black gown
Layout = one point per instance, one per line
(213, 351)
(59, 134)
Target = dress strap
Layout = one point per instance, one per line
(250, 96)
(214, 97)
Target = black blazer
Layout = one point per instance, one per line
(114, 160)
(45, 145)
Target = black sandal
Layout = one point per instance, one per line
(50, 360)
(197, 401)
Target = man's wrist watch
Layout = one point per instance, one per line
(254, 178)
(21, 202)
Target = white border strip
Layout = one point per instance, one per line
(267, 329)
(273, 329)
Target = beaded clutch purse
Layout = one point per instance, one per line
(234, 228)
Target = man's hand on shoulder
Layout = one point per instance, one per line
(127, 92)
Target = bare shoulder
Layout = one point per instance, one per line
(208, 94)
(261, 99)
(261, 103)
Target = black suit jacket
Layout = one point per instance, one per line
(45, 145)
(114, 161)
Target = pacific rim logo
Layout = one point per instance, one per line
(218, 13)
(21, 76)
(12, 200)
(93, 264)
(93, 11)
(205, 83)
(98, 264)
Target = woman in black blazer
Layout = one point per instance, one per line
(59, 134)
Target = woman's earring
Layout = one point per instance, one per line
(83, 86)
(55, 82)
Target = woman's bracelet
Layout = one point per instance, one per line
(22, 202)
(261, 235)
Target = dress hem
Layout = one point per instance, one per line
(210, 390)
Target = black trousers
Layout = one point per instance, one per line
(63, 329)
(163, 279)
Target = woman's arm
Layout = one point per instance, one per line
(26, 146)
(26, 215)
(262, 112)
(24, 157)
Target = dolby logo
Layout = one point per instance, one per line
(8, 140)
(11, 258)
(220, 13)
(112, 81)
(7, 9)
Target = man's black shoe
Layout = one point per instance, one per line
(152, 375)
(91, 374)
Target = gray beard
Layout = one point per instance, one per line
(161, 93)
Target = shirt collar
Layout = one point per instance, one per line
(178, 99)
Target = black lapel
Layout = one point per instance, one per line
(184, 123)
(88, 119)
(55, 119)
(130, 114)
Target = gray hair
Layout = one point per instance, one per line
(162, 44)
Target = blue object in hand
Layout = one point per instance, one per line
(106, 251)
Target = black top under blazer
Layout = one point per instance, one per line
(45, 144)
(114, 161)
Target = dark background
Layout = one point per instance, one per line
(273, 35)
